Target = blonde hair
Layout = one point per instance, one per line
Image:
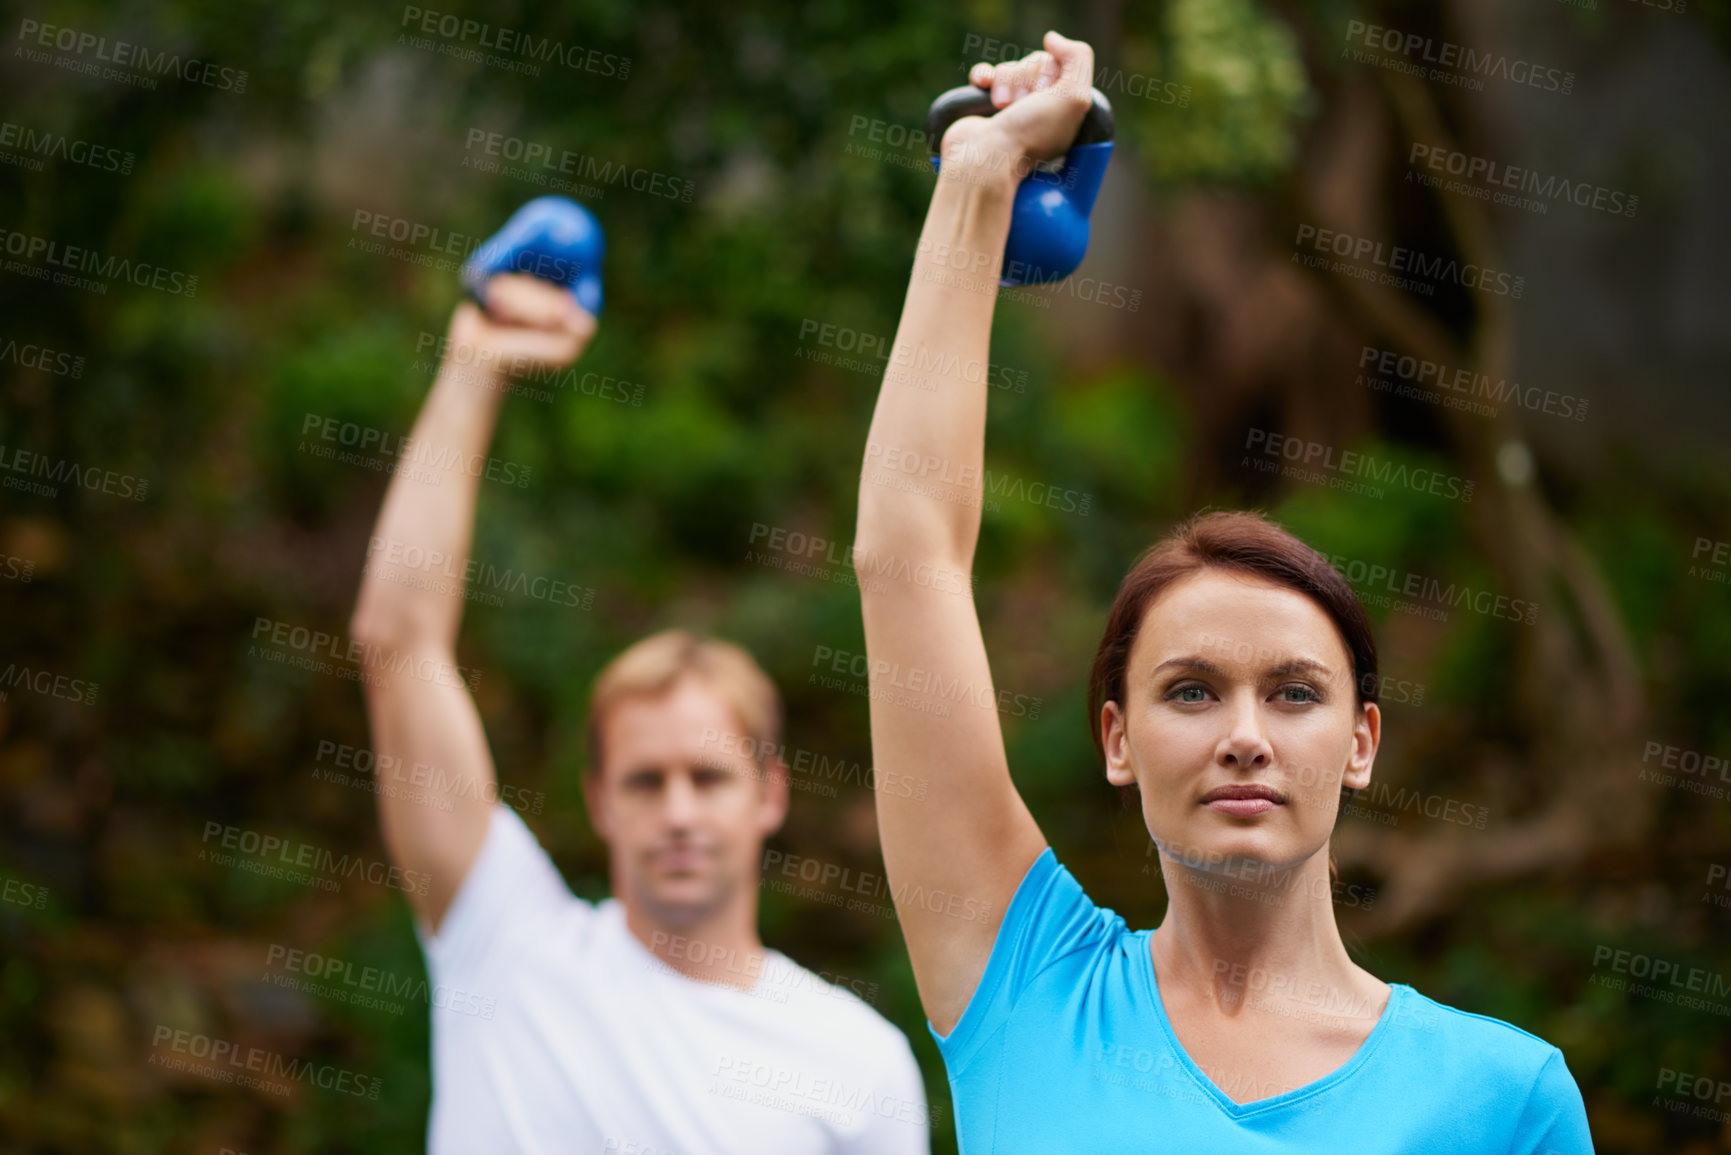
(650, 667)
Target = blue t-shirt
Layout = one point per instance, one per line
(1065, 1047)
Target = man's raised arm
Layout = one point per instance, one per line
(411, 597)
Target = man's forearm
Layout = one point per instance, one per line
(923, 475)
(417, 557)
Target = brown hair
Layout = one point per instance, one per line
(1237, 541)
(650, 667)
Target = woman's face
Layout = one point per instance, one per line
(1240, 723)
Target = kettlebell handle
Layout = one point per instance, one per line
(1097, 126)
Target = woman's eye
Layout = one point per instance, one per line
(1182, 690)
(1304, 693)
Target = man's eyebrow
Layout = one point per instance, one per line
(1291, 666)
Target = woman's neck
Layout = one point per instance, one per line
(1238, 934)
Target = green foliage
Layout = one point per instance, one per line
(651, 505)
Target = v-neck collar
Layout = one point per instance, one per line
(1225, 1102)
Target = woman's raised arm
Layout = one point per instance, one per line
(956, 836)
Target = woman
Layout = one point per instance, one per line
(1234, 692)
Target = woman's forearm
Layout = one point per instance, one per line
(922, 483)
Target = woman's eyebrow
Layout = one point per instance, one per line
(1290, 666)
(1192, 662)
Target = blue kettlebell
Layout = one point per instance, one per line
(551, 237)
(1049, 220)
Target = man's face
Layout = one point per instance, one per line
(684, 814)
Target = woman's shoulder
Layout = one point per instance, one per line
(1488, 1042)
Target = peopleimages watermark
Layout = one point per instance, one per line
(1406, 592)
(1717, 554)
(1666, 980)
(419, 782)
(969, 269)
(904, 147)
(1691, 771)
(228, 1062)
(406, 563)
(1215, 871)
(813, 771)
(1384, 804)
(1484, 179)
(1718, 874)
(885, 140)
(20, 893)
(917, 365)
(1383, 687)
(1351, 471)
(399, 453)
(1107, 79)
(505, 48)
(859, 887)
(561, 170)
(415, 242)
(1446, 62)
(1700, 1088)
(36, 146)
(794, 551)
(30, 355)
(518, 374)
(61, 264)
(307, 648)
(1138, 1068)
(23, 466)
(915, 471)
(88, 54)
(303, 862)
(775, 981)
(1455, 387)
(1430, 271)
(799, 1092)
(46, 684)
(365, 986)
(928, 691)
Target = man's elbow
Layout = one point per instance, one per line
(383, 629)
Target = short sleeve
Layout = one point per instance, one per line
(1048, 918)
(511, 882)
(1554, 1121)
(901, 1122)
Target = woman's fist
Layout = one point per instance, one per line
(1041, 99)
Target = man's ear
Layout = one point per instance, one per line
(593, 798)
(774, 789)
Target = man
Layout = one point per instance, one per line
(655, 1021)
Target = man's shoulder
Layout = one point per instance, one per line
(832, 999)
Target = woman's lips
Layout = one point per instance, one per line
(1242, 807)
(1243, 800)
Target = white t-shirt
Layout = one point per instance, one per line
(556, 1030)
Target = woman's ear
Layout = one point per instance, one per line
(1116, 738)
(1366, 734)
